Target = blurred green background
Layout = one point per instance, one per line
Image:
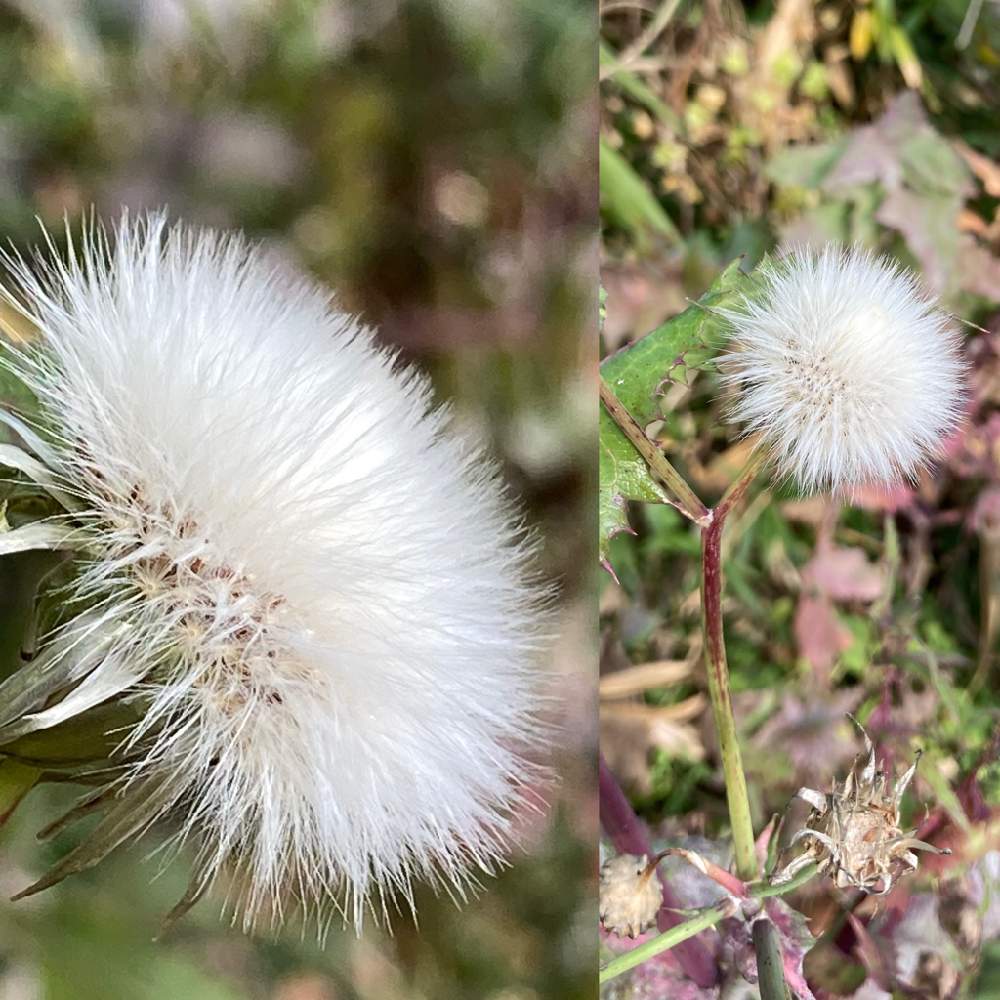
(435, 163)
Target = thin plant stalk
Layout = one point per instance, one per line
(764, 890)
(687, 501)
(718, 670)
(770, 968)
(989, 577)
(662, 942)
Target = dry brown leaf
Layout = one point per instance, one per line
(790, 24)
(819, 635)
(887, 499)
(812, 732)
(812, 510)
(979, 269)
(651, 715)
(640, 297)
(843, 574)
(840, 82)
(642, 677)
(722, 470)
(982, 166)
(630, 732)
(305, 987)
(973, 222)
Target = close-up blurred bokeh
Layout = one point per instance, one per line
(433, 162)
(732, 129)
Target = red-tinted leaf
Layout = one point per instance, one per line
(884, 499)
(843, 574)
(819, 635)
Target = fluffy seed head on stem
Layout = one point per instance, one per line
(312, 582)
(848, 372)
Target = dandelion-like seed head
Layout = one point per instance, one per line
(311, 582)
(848, 372)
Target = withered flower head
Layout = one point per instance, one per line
(854, 834)
(630, 894)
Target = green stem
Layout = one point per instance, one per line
(688, 502)
(665, 941)
(770, 972)
(881, 608)
(718, 671)
(762, 890)
(703, 920)
(989, 578)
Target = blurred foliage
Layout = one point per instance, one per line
(754, 127)
(433, 162)
(739, 118)
(429, 160)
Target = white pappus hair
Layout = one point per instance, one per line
(845, 368)
(316, 583)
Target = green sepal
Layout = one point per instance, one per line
(86, 738)
(90, 803)
(197, 887)
(16, 780)
(29, 688)
(37, 535)
(14, 394)
(134, 811)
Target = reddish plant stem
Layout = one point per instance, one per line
(718, 672)
(629, 836)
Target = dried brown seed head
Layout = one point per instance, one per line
(853, 833)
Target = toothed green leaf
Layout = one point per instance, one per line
(637, 375)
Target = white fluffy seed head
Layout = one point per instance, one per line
(847, 371)
(318, 584)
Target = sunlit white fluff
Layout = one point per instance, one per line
(844, 367)
(319, 582)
